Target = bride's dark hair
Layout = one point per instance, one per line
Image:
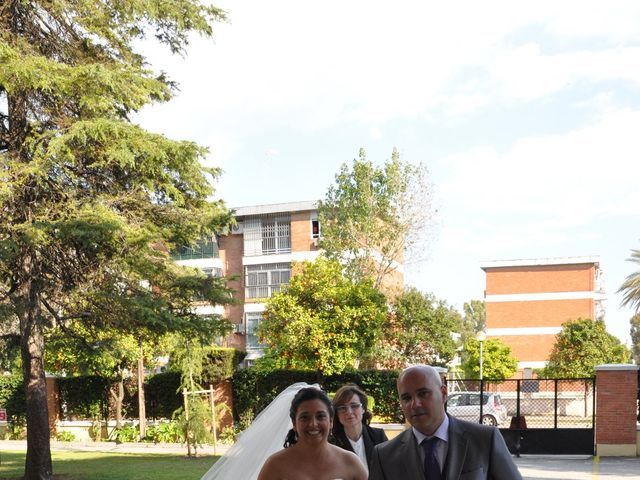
(304, 394)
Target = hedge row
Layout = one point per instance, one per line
(88, 397)
(12, 397)
(254, 390)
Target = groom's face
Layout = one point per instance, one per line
(422, 398)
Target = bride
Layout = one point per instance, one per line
(308, 456)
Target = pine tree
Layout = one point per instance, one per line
(90, 202)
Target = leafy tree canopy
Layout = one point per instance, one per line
(89, 200)
(418, 330)
(497, 361)
(580, 346)
(373, 217)
(324, 321)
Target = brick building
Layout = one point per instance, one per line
(259, 253)
(528, 300)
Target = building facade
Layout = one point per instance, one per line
(256, 255)
(527, 301)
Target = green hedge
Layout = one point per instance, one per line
(254, 390)
(83, 397)
(12, 397)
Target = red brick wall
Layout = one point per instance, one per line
(529, 348)
(539, 313)
(540, 279)
(301, 240)
(616, 403)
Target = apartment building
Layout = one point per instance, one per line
(527, 301)
(257, 254)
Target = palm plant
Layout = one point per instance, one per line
(631, 286)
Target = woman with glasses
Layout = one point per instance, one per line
(351, 429)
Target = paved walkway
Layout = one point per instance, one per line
(532, 467)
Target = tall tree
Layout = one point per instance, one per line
(88, 197)
(323, 321)
(635, 338)
(497, 361)
(474, 319)
(374, 217)
(418, 330)
(580, 346)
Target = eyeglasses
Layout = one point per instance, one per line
(351, 406)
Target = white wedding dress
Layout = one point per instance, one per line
(264, 437)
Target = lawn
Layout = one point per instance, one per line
(111, 466)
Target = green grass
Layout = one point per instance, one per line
(111, 466)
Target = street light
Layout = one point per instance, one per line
(481, 336)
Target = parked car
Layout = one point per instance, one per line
(466, 406)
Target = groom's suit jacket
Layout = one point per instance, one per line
(475, 452)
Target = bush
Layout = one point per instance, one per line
(83, 397)
(164, 432)
(12, 398)
(126, 433)
(65, 437)
(161, 395)
(253, 389)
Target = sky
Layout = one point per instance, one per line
(526, 114)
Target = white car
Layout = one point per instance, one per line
(466, 406)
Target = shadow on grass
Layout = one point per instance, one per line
(112, 466)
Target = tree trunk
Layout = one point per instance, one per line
(118, 398)
(38, 461)
(141, 407)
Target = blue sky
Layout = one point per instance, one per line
(526, 115)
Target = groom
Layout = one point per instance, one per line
(439, 446)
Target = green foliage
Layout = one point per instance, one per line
(65, 437)
(323, 321)
(90, 201)
(12, 397)
(126, 433)
(164, 432)
(253, 390)
(635, 338)
(580, 346)
(195, 426)
(497, 361)
(474, 319)
(375, 216)
(418, 330)
(162, 394)
(83, 397)
(631, 285)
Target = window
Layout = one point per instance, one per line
(202, 249)
(267, 235)
(212, 271)
(315, 228)
(262, 281)
(253, 320)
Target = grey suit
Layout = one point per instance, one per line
(475, 452)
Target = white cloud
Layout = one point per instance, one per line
(572, 177)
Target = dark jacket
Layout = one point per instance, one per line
(371, 437)
(475, 452)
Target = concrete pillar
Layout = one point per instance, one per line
(616, 410)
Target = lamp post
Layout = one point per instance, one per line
(481, 336)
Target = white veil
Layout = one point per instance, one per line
(264, 437)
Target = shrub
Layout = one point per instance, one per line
(126, 433)
(164, 432)
(65, 437)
